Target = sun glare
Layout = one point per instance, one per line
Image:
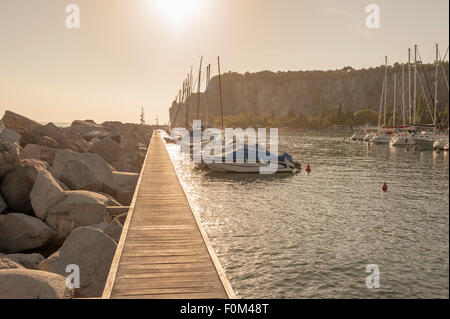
(178, 10)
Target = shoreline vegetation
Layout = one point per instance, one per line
(64, 196)
(341, 117)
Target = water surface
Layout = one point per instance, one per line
(312, 235)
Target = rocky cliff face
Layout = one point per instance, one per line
(309, 92)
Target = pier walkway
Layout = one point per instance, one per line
(163, 251)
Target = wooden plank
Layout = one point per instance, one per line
(163, 251)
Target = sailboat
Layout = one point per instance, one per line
(426, 140)
(383, 135)
(403, 134)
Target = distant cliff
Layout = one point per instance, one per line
(311, 92)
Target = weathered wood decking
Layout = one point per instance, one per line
(163, 251)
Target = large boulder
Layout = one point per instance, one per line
(53, 132)
(77, 175)
(28, 261)
(112, 230)
(89, 129)
(39, 152)
(48, 141)
(33, 284)
(125, 185)
(9, 157)
(76, 140)
(18, 122)
(109, 150)
(95, 162)
(17, 185)
(78, 208)
(9, 136)
(45, 193)
(20, 232)
(92, 250)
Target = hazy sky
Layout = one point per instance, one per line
(133, 53)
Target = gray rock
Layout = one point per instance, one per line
(49, 134)
(32, 284)
(78, 208)
(9, 136)
(17, 185)
(29, 261)
(125, 185)
(77, 175)
(18, 122)
(32, 151)
(19, 232)
(95, 162)
(109, 150)
(6, 263)
(39, 152)
(112, 230)
(45, 193)
(92, 250)
(9, 157)
(89, 129)
(48, 141)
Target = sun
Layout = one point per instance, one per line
(178, 10)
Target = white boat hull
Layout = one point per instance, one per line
(424, 143)
(440, 143)
(402, 141)
(247, 167)
(381, 140)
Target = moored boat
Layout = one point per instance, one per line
(440, 142)
(402, 140)
(231, 162)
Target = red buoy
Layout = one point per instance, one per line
(308, 168)
(384, 188)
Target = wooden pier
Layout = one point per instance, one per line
(163, 251)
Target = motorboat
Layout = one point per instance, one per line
(425, 140)
(368, 137)
(239, 161)
(381, 138)
(358, 135)
(402, 139)
(440, 142)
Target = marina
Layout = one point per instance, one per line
(312, 235)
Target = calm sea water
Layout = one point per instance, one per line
(312, 235)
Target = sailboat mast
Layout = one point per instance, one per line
(395, 97)
(208, 74)
(403, 94)
(436, 88)
(415, 83)
(385, 89)
(198, 88)
(381, 105)
(186, 103)
(409, 85)
(220, 91)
